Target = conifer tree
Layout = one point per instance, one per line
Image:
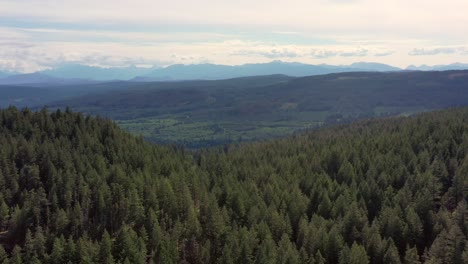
(105, 249)
(411, 256)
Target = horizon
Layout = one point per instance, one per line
(155, 67)
(40, 35)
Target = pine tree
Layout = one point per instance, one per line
(30, 254)
(334, 245)
(71, 251)
(391, 255)
(414, 230)
(16, 255)
(128, 246)
(266, 252)
(358, 255)
(105, 249)
(58, 251)
(319, 259)
(465, 254)
(167, 251)
(4, 213)
(40, 242)
(344, 255)
(411, 256)
(230, 251)
(448, 246)
(3, 255)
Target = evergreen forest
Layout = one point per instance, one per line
(78, 189)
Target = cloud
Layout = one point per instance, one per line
(20, 45)
(342, 1)
(356, 53)
(286, 32)
(302, 51)
(384, 53)
(345, 17)
(323, 54)
(27, 57)
(439, 51)
(42, 33)
(328, 53)
(271, 54)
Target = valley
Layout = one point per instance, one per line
(207, 113)
(226, 132)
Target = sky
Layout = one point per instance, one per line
(43, 34)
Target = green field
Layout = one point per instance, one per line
(194, 134)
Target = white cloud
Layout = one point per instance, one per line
(365, 16)
(119, 32)
(274, 53)
(384, 53)
(437, 51)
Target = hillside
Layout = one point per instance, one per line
(36, 96)
(218, 72)
(206, 71)
(453, 66)
(72, 72)
(77, 189)
(203, 113)
(78, 73)
(22, 96)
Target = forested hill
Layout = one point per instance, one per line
(206, 113)
(77, 189)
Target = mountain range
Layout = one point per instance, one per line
(216, 72)
(449, 67)
(97, 73)
(76, 73)
(4, 74)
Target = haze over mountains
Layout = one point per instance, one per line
(4, 74)
(97, 73)
(449, 67)
(76, 73)
(216, 72)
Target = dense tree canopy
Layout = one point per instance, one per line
(77, 189)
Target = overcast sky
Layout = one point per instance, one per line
(40, 34)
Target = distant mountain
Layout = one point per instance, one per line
(38, 78)
(216, 72)
(96, 73)
(420, 68)
(449, 67)
(373, 66)
(179, 72)
(6, 74)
